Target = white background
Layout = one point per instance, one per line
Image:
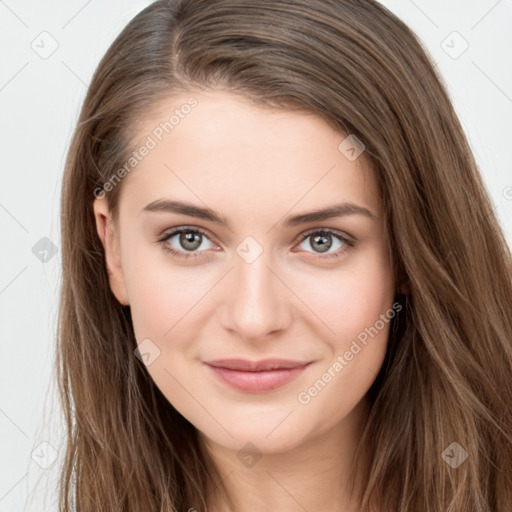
(39, 104)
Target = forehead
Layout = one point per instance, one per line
(225, 149)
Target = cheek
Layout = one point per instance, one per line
(163, 296)
(357, 306)
(350, 299)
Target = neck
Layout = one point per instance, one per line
(314, 475)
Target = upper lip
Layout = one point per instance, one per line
(255, 366)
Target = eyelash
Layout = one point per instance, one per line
(322, 231)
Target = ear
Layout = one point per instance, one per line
(110, 240)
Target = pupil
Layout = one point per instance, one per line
(322, 246)
(188, 240)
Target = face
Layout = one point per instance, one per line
(246, 309)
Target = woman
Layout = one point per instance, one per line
(211, 356)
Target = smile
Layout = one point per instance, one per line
(256, 377)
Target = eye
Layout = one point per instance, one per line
(322, 240)
(187, 242)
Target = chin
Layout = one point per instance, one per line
(259, 436)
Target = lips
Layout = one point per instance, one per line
(256, 376)
(256, 366)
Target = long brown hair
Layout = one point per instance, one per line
(447, 374)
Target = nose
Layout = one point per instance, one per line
(256, 302)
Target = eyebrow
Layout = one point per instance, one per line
(337, 210)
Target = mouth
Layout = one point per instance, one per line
(256, 376)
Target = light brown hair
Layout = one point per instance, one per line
(447, 373)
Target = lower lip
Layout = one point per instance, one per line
(257, 382)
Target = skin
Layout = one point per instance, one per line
(255, 167)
